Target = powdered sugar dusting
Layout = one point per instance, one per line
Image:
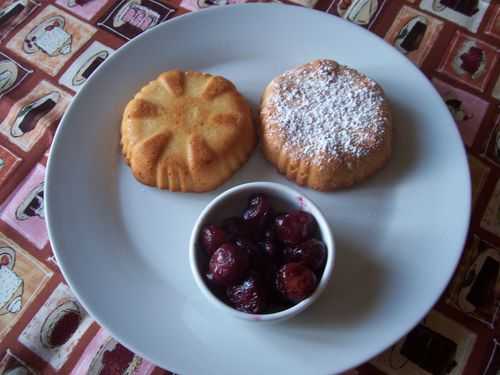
(328, 111)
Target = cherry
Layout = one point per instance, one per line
(294, 227)
(311, 253)
(258, 212)
(295, 282)
(248, 296)
(211, 238)
(235, 227)
(227, 265)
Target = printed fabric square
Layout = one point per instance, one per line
(129, 18)
(475, 288)
(466, 13)
(194, 5)
(81, 69)
(104, 354)
(56, 328)
(29, 117)
(11, 74)
(10, 364)
(469, 60)
(50, 39)
(13, 13)
(8, 164)
(24, 209)
(414, 33)
(479, 172)
(448, 343)
(491, 149)
(467, 110)
(491, 217)
(493, 26)
(86, 9)
(22, 277)
(360, 12)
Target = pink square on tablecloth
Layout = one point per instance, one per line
(86, 11)
(468, 110)
(24, 209)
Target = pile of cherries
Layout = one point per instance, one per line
(263, 261)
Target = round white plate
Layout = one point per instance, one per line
(123, 247)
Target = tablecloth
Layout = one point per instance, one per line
(49, 48)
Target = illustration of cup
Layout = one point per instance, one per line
(61, 323)
(49, 37)
(358, 11)
(134, 14)
(11, 10)
(8, 75)
(32, 205)
(88, 67)
(411, 35)
(29, 114)
(114, 355)
(11, 285)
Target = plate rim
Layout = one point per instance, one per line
(201, 13)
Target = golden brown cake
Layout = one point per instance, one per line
(187, 131)
(325, 125)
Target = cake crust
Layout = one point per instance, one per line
(325, 125)
(187, 131)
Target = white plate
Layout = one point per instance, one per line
(123, 247)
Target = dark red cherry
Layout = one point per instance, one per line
(235, 227)
(227, 265)
(211, 238)
(295, 282)
(258, 212)
(248, 296)
(294, 227)
(311, 253)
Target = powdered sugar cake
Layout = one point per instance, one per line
(325, 125)
(187, 131)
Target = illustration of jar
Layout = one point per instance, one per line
(134, 14)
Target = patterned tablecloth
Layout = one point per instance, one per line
(48, 48)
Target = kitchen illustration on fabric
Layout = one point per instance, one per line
(50, 39)
(467, 110)
(469, 60)
(479, 172)
(22, 277)
(104, 354)
(56, 328)
(466, 13)
(359, 12)
(10, 364)
(8, 164)
(11, 74)
(491, 149)
(491, 217)
(29, 117)
(437, 345)
(130, 18)
(414, 33)
(12, 13)
(86, 9)
(85, 64)
(475, 288)
(24, 208)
